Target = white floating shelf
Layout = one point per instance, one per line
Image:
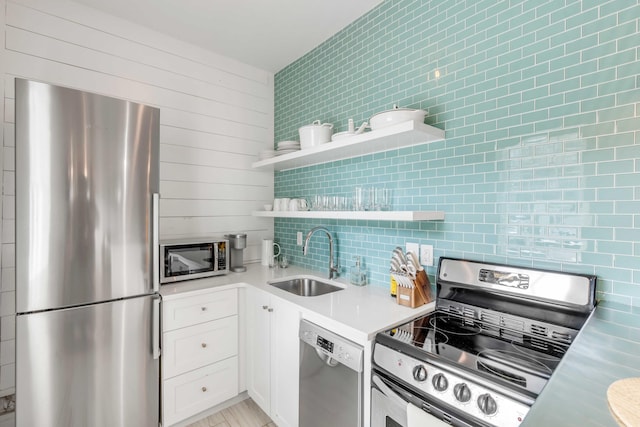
(357, 215)
(402, 135)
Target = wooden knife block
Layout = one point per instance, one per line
(412, 297)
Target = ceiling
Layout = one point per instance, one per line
(268, 34)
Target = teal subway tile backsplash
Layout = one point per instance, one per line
(540, 165)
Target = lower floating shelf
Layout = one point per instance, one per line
(357, 215)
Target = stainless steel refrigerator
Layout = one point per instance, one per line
(87, 302)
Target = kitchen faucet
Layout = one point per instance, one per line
(333, 270)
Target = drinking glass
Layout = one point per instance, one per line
(284, 261)
(326, 204)
(369, 199)
(316, 203)
(382, 199)
(358, 199)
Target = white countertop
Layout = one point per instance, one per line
(603, 352)
(356, 313)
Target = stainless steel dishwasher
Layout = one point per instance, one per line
(330, 379)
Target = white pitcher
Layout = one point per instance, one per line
(268, 255)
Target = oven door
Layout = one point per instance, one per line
(395, 406)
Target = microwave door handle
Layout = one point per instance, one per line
(155, 252)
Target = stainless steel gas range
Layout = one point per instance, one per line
(486, 352)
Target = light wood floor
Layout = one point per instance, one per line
(243, 414)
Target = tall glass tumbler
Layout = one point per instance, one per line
(382, 199)
(359, 199)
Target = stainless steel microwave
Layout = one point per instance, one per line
(192, 259)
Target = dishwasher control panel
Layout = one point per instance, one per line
(340, 349)
(324, 344)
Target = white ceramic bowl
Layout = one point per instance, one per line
(395, 116)
(315, 134)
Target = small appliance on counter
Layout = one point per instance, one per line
(193, 259)
(238, 242)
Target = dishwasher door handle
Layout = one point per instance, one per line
(328, 360)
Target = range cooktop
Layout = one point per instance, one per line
(516, 359)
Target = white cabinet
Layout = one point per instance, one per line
(273, 356)
(258, 347)
(200, 353)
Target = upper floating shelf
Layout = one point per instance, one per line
(356, 215)
(402, 135)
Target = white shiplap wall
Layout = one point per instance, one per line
(216, 116)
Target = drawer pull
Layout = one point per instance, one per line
(264, 307)
(270, 310)
(204, 345)
(204, 308)
(204, 389)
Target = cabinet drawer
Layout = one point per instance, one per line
(190, 348)
(181, 312)
(196, 391)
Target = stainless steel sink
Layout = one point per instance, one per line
(306, 286)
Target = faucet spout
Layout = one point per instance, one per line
(333, 271)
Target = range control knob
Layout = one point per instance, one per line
(440, 382)
(420, 373)
(487, 404)
(461, 392)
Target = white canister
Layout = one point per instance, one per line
(315, 134)
(268, 255)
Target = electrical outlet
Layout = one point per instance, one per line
(412, 247)
(299, 238)
(426, 255)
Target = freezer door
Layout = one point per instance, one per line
(86, 169)
(89, 366)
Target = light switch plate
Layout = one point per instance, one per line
(426, 255)
(299, 238)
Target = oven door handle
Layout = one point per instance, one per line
(387, 391)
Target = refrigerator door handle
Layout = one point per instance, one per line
(156, 327)
(155, 242)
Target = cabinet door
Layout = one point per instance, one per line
(285, 353)
(259, 348)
